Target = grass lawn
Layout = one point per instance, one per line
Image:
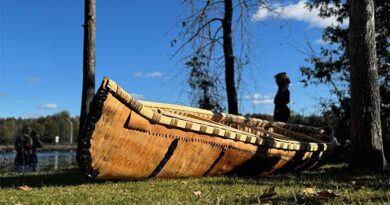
(68, 186)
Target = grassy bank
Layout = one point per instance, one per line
(46, 147)
(70, 187)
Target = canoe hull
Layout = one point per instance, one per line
(118, 142)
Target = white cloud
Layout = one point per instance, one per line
(153, 74)
(297, 11)
(2, 94)
(141, 74)
(48, 106)
(259, 99)
(261, 14)
(266, 102)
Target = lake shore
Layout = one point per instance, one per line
(46, 147)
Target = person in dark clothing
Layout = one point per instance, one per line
(37, 143)
(282, 98)
(23, 147)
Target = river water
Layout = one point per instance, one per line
(52, 160)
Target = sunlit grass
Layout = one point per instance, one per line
(70, 187)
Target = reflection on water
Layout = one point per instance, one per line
(46, 160)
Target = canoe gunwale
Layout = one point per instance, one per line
(269, 142)
(226, 117)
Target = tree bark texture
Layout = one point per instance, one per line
(229, 58)
(89, 61)
(366, 134)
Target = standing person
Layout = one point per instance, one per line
(282, 98)
(37, 143)
(23, 147)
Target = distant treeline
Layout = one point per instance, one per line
(47, 127)
(311, 120)
(58, 125)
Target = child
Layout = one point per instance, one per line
(282, 98)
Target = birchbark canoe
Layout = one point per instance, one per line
(124, 138)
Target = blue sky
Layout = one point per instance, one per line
(41, 54)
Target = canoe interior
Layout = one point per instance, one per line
(124, 138)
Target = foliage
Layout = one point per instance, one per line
(331, 66)
(321, 187)
(311, 120)
(47, 127)
(204, 86)
(7, 130)
(260, 116)
(295, 118)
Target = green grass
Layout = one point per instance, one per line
(70, 187)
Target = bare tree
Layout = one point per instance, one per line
(208, 31)
(88, 90)
(366, 133)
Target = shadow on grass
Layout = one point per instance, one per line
(322, 179)
(68, 177)
(302, 199)
(281, 200)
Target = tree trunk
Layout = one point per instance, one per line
(229, 58)
(366, 134)
(88, 89)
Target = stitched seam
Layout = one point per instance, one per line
(190, 140)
